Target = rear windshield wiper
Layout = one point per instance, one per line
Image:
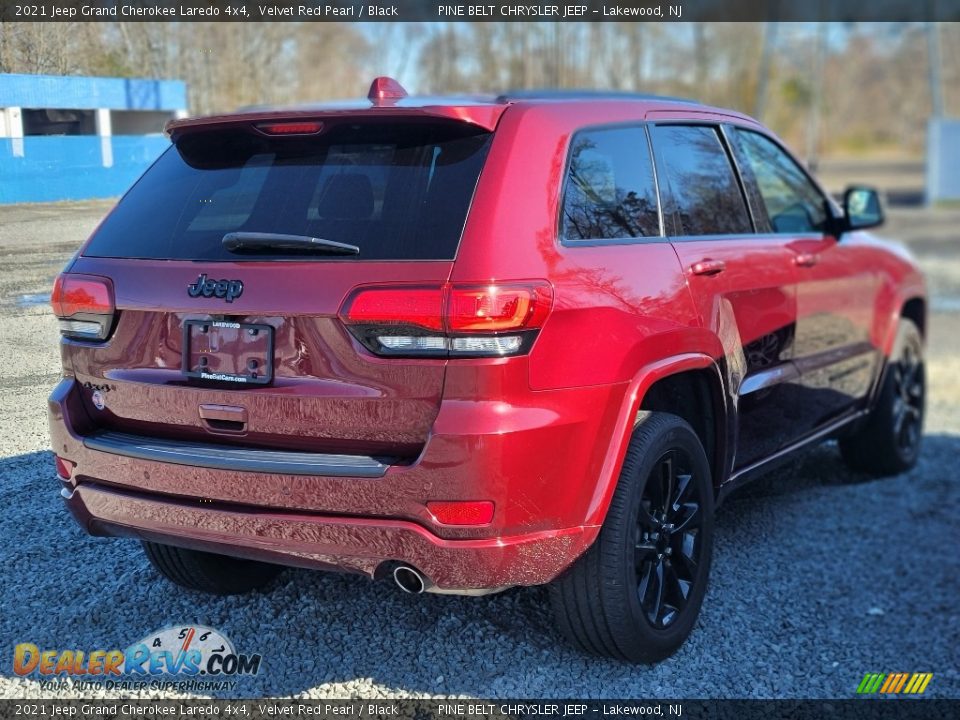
(243, 242)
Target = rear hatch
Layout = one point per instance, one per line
(239, 341)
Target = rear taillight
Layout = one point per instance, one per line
(497, 308)
(402, 307)
(84, 306)
(452, 320)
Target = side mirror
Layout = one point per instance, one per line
(861, 208)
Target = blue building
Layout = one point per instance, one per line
(73, 138)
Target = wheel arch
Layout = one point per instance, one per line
(915, 309)
(696, 396)
(696, 380)
(907, 301)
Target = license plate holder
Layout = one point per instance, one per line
(229, 352)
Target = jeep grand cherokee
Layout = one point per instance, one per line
(471, 344)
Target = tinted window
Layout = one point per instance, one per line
(396, 191)
(609, 191)
(792, 203)
(706, 197)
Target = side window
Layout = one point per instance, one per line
(609, 192)
(705, 194)
(792, 203)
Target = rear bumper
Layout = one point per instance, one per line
(362, 545)
(531, 457)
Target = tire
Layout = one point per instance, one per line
(888, 442)
(208, 572)
(606, 603)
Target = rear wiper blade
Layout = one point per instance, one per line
(241, 242)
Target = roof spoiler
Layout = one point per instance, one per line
(483, 116)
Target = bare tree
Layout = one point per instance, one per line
(226, 65)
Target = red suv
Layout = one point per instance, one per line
(471, 344)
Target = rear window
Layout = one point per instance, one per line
(397, 191)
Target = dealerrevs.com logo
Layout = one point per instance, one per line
(185, 658)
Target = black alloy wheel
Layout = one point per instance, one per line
(888, 441)
(908, 384)
(668, 548)
(636, 593)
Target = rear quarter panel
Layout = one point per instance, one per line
(617, 308)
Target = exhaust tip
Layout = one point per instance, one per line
(409, 580)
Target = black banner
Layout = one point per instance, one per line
(455, 709)
(427, 11)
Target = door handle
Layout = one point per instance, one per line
(708, 267)
(806, 259)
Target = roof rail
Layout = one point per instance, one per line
(560, 94)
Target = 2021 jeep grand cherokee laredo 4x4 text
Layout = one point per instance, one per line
(475, 344)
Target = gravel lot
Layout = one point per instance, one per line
(819, 576)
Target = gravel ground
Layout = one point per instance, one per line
(819, 576)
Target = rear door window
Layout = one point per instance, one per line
(609, 191)
(397, 191)
(704, 194)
